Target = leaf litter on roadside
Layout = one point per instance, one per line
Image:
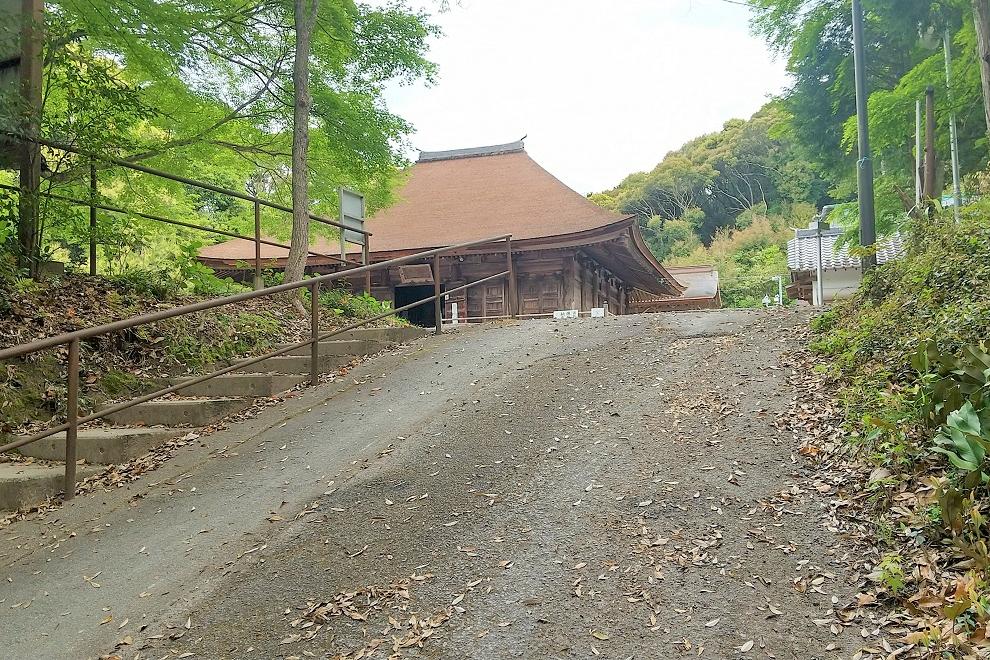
(388, 610)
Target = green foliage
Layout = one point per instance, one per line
(8, 236)
(243, 333)
(671, 238)
(727, 199)
(949, 381)
(713, 180)
(954, 394)
(814, 35)
(345, 304)
(907, 350)
(891, 214)
(204, 90)
(746, 259)
(964, 440)
(184, 275)
(890, 572)
(937, 292)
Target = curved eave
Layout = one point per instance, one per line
(619, 247)
(625, 254)
(675, 287)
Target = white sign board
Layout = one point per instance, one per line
(597, 312)
(566, 314)
(453, 313)
(352, 216)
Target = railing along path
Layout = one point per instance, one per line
(258, 203)
(73, 339)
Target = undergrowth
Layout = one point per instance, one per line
(908, 355)
(123, 364)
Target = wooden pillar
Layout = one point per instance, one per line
(572, 284)
(511, 299)
(585, 300)
(596, 291)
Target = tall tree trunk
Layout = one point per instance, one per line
(305, 20)
(981, 14)
(32, 38)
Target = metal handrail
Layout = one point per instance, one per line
(258, 202)
(175, 177)
(73, 339)
(178, 223)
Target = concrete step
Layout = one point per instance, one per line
(343, 348)
(388, 335)
(103, 446)
(179, 412)
(296, 364)
(248, 385)
(28, 484)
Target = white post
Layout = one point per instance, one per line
(453, 313)
(917, 154)
(821, 271)
(953, 136)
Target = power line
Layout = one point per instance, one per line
(738, 2)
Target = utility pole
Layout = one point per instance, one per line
(930, 157)
(867, 210)
(981, 15)
(953, 135)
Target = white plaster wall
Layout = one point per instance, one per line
(838, 284)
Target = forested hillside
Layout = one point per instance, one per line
(729, 197)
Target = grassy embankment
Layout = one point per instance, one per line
(909, 358)
(116, 366)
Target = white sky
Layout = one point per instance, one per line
(602, 88)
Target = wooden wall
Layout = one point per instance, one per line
(546, 281)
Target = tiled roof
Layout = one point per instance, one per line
(465, 195)
(451, 199)
(699, 281)
(802, 251)
(454, 199)
(471, 152)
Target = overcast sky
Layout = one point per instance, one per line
(602, 89)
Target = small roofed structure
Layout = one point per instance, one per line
(701, 291)
(569, 253)
(841, 271)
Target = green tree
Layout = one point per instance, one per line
(204, 89)
(721, 175)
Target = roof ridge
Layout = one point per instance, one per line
(472, 152)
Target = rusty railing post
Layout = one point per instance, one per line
(365, 260)
(72, 415)
(314, 333)
(510, 293)
(438, 301)
(258, 283)
(92, 217)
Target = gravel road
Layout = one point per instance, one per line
(612, 488)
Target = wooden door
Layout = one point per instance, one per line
(540, 295)
(486, 300)
(458, 298)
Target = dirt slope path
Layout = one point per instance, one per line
(627, 496)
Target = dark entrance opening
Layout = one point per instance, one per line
(422, 315)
